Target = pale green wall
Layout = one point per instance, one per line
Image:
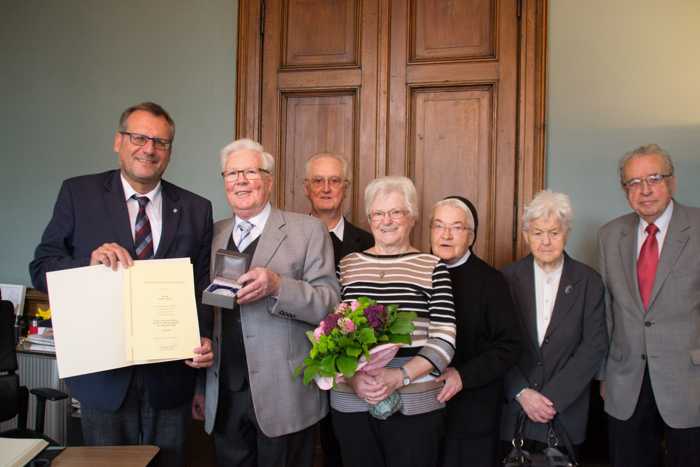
(67, 70)
(622, 73)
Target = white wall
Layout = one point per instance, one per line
(622, 73)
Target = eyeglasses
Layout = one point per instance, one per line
(452, 229)
(394, 215)
(320, 182)
(248, 174)
(140, 140)
(651, 180)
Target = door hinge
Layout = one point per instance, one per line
(519, 8)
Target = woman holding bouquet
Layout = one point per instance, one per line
(394, 272)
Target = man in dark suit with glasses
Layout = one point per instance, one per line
(112, 218)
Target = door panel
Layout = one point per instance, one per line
(315, 124)
(452, 29)
(314, 94)
(320, 32)
(452, 151)
(462, 64)
(429, 89)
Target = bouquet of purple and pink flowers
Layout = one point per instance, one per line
(360, 335)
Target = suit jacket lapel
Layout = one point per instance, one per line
(115, 205)
(172, 208)
(674, 244)
(526, 298)
(567, 294)
(627, 246)
(270, 240)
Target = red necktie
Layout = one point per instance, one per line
(646, 264)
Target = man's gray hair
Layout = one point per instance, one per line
(646, 150)
(329, 155)
(549, 203)
(268, 162)
(152, 108)
(457, 204)
(394, 184)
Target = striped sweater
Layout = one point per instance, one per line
(416, 282)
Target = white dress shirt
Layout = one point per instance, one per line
(154, 210)
(258, 221)
(546, 287)
(460, 261)
(661, 223)
(339, 229)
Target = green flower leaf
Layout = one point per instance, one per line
(400, 339)
(346, 365)
(367, 336)
(309, 374)
(401, 326)
(353, 351)
(328, 365)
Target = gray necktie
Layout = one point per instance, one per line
(245, 229)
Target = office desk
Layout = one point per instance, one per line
(107, 456)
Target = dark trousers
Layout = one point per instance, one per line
(137, 422)
(240, 442)
(399, 441)
(473, 452)
(636, 442)
(329, 443)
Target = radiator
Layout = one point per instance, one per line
(40, 371)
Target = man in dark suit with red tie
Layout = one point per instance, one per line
(325, 185)
(112, 218)
(649, 262)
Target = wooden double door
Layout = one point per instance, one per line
(446, 92)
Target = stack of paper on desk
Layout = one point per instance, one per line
(104, 319)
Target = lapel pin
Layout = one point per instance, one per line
(568, 289)
(174, 210)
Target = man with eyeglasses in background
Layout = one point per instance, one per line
(259, 413)
(649, 262)
(113, 218)
(325, 185)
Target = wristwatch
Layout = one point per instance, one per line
(406, 378)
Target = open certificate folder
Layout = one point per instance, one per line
(106, 319)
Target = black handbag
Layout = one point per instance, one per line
(551, 456)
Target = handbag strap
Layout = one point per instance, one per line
(555, 433)
(556, 428)
(519, 433)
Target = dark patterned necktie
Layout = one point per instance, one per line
(647, 263)
(143, 240)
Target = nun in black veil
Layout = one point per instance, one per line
(488, 339)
